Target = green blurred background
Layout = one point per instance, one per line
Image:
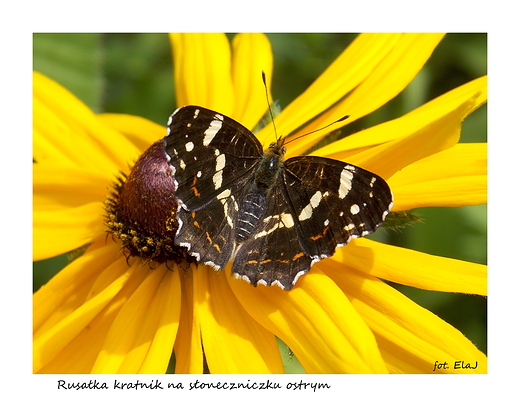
(132, 73)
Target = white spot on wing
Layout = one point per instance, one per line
(217, 177)
(306, 212)
(212, 130)
(223, 196)
(189, 146)
(354, 209)
(345, 181)
(287, 220)
(221, 162)
(217, 180)
(284, 220)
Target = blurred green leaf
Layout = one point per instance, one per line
(74, 61)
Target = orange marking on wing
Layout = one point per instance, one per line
(298, 255)
(195, 191)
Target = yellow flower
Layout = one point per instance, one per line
(106, 314)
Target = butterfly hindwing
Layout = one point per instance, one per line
(208, 233)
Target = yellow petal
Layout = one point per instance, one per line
(426, 139)
(352, 67)
(416, 121)
(251, 56)
(58, 187)
(455, 191)
(76, 157)
(188, 344)
(202, 71)
(67, 130)
(67, 206)
(141, 337)
(316, 321)
(412, 268)
(73, 329)
(69, 289)
(410, 337)
(54, 232)
(388, 78)
(168, 304)
(140, 131)
(453, 177)
(233, 342)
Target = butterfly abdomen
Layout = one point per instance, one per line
(250, 215)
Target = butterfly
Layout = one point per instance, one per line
(273, 217)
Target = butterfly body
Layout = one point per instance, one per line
(263, 181)
(276, 217)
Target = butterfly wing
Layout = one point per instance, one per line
(333, 202)
(212, 156)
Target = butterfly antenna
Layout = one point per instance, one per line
(272, 117)
(321, 128)
(269, 105)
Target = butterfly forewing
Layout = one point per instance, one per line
(209, 152)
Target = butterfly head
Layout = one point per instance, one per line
(277, 148)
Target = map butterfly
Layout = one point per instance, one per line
(274, 217)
